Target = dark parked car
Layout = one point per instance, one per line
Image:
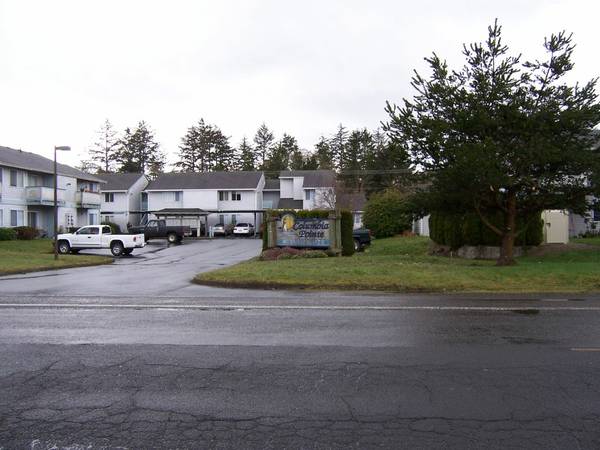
(158, 229)
(362, 238)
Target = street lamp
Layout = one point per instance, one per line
(64, 148)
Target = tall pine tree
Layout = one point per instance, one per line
(139, 152)
(279, 155)
(102, 155)
(246, 156)
(205, 148)
(263, 141)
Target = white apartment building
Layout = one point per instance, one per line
(121, 198)
(306, 189)
(27, 193)
(228, 197)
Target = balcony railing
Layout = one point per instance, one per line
(85, 199)
(41, 195)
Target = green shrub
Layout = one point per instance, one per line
(7, 234)
(386, 214)
(114, 228)
(456, 230)
(26, 233)
(347, 224)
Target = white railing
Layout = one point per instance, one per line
(86, 199)
(41, 195)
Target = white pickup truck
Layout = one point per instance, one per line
(99, 236)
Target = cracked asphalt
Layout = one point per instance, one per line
(173, 365)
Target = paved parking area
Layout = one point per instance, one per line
(156, 270)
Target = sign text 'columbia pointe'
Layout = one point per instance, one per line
(295, 231)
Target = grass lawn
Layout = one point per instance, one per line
(402, 264)
(29, 256)
(590, 240)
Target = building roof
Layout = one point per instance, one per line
(20, 159)
(290, 203)
(206, 180)
(271, 185)
(312, 178)
(119, 181)
(354, 201)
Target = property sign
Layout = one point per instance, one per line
(295, 231)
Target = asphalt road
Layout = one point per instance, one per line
(179, 366)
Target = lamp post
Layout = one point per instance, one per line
(64, 148)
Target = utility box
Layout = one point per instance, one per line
(556, 226)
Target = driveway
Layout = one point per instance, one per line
(156, 270)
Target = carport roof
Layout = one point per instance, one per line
(180, 212)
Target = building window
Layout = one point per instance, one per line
(309, 194)
(92, 219)
(233, 219)
(178, 196)
(16, 178)
(268, 204)
(69, 222)
(109, 197)
(16, 218)
(223, 196)
(596, 215)
(236, 196)
(222, 219)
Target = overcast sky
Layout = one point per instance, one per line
(301, 67)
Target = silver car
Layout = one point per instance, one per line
(243, 229)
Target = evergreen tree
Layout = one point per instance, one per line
(246, 156)
(359, 144)
(279, 155)
(337, 144)
(323, 154)
(205, 148)
(500, 137)
(263, 141)
(387, 165)
(139, 152)
(297, 160)
(103, 153)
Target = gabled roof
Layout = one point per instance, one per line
(271, 185)
(33, 162)
(119, 181)
(312, 178)
(205, 180)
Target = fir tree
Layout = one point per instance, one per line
(139, 152)
(263, 141)
(323, 154)
(102, 155)
(279, 155)
(205, 148)
(246, 156)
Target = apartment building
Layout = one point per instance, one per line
(306, 189)
(121, 198)
(27, 193)
(228, 197)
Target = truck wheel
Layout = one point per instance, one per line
(172, 238)
(357, 246)
(63, 247)
(116, 248)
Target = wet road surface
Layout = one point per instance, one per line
(87, 362)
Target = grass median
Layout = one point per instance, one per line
(402, 264)
(34, 255)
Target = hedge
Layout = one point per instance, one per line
(26, 233)
(456, 230)
(7, 234)
(347, 225)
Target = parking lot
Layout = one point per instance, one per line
(158, 269)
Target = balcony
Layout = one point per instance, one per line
(85, 199)
(42, 195)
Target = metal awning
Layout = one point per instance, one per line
(180, 212)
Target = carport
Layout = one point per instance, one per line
(184, 213)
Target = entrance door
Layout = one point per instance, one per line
(32, 219)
